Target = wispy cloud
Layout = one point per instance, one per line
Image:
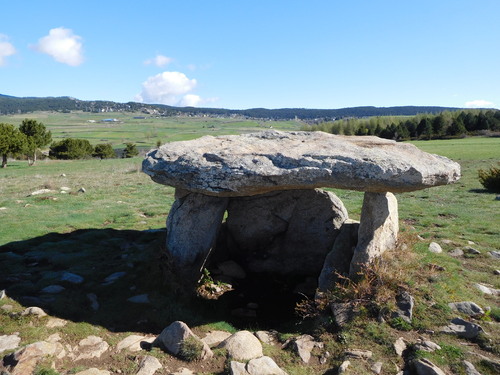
(479, 103)
(62, 45)
(6, 49)
(159, 60)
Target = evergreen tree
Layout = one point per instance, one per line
(37, 136)
(12, 142)
(71, 148)
(104, 151)
(130, 150)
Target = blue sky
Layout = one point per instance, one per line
(245, 54)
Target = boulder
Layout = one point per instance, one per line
(256, 163)
(467, 307)
(242, 346)
(470, 369)
(303, 345)
(378, 230)
(214, 338)
(172, 337)
(8, 342)
(399, 346)
(285, 232)
(425, 367)
(404, 304)
(149, 365)
(88, 348)
(434, 247)
(134, 343)
(463, 328)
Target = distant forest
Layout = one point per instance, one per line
(13, 105)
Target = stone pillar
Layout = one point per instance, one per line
(192, 226)
(378, 230)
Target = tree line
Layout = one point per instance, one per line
(446, 124)
(31, 136)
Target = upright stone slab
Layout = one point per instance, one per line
(378, 230)
(192, 226)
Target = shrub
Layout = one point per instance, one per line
(130, 150)
(191, 349)
(490, 179)
(71, 148)
(104, 151)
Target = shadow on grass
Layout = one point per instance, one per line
(99, 270)
(131, 258)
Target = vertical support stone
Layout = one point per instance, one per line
(192, 226)
(378, 230)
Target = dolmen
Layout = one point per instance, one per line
(257, 200)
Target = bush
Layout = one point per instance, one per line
(490, 179)
(130, 150)
(71, 148)
(191, 349)
(104, 151)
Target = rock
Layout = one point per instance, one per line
(285, 232)
(494, 254)
(257, 163)
(324, 357)
(343, 367)
(53, 289)
(470, 369)
(55, 322)
(496, 272)
(214, 338)
(113, 277)
(183, 371)
(242, 346)
(463, 328)
(41, 191)
(82, 190)
(134, 343)
(456, 252)
(237, 368)
(89, 347)
(93, 371)
(232, 269)
(343, 313)
(192, 226)
(338, 260)
(172, 337)
(399, 346)
(3, 294)
(263, 366)
(427, 346)
(376, 367)
(358, 353)
(71, 278)
(472, 250)
(425, 367)
(93, 301)
(34, 310)
(24, 361)
(9, 342)
(303, 345)
(378, 230)
(447, 242)
(149, 365)
(141, 298)
(266, 337)
(487, 290)
(468, 308)
(434, 247)
(404, 303)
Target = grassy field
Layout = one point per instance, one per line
(116, 226)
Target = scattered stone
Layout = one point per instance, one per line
(182, 371)
(378, 230)
(214, 338)
(41, 191)
(324, 357)
(456, 252)
(243, 346)
(172, 337)
(24, 361)
(399, 346)
(303, 345)
(3, 208)
(7, 308)
(3, 294)
(472, 250)
(89, 347)
(264, 366)
(141, 298)
(82, 190)
(468, 308)
(434, 247)
(93, 301)
(470, 369)
(487, 290)
(53, 289)
(343, 313)
(93, 371)
(496, 272)
(463, 328)
(9, 342)
(425, 367)
(427, 346)
(471, 242)
(343, 367)
(134, 343)
(62, 175)
(377, 367)
(447, 242)
(436, 267)
(55, 322)
(149, 365)
(232, 269)
(267, 337)
(113, 277)
(404, 303)
(34, 310)
(494, 254)
(358, 353)
(72, 278)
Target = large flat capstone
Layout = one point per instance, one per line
(257, 163)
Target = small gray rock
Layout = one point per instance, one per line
(34, 310)
(343, 367)
(472, 250)
(113, 277)
(494, 254)
(82, 190)
(149, 365)
(427, 346)
(72, 278)
(463, 328)
(467, 307)
(470, 369)
(487, 290)
(434, 247)
(426, 367)
(3, 294)
(404, 303)
(8, 342)
(53, 289)
(377, 368)
(496, 272)
(456, 252)
(141, 298)
(243, 345)
(358, 353)
(399, 346)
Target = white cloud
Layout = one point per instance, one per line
(64, 46)
(166, 88)
(479, 104)
(6, 49)
(190, 100)
(159, 60)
